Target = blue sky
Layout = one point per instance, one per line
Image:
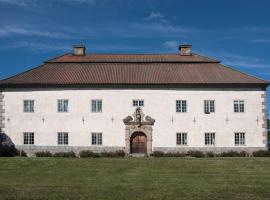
(235, 32)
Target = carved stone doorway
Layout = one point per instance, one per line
(138, 143)
(138, 124)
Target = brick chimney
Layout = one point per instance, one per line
(185, 49)
(79, 50)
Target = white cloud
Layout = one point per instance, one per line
(243, 61)
(156, 16)
(173, 45)
(28, 31)
(40, 46)
(31, 3)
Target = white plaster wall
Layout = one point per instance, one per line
(117, 104)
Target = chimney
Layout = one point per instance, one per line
(185, 49)
(79, 50)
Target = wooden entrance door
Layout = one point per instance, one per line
(138, 143)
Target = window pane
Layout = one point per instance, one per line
(138, 103)
(62, 105)
(181, 138)
(28, 105)
(28, 138)
(209, 139)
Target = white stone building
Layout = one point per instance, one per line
(138, 103)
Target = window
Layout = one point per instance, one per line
(209, 138)
(96, 138)
(181, 106)
(96, 105)
(62, 138)
(138, 103)
(62, 105)
(239, 138)
(209, 106)
(28, 138)
(181, 138)
(239, 106)
(28, 105)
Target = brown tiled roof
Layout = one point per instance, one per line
(161, 69)
(132, 58)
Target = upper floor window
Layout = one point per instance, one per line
(209, 106)
(96, 105)
(181, 106)
(209, 138)
(138, 103)
(96, 138)
(181, 138)
(239, 138)
(239, 105)
(28, 138)
(28, 105)
(62, 138)
(62, 105)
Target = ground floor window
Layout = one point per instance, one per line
(96, 138)
(62, 138)
(28, 138)
(209, 139)
(239, 138)
(181, 138)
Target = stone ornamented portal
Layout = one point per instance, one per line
(138, 124)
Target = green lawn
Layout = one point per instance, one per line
(141, 178)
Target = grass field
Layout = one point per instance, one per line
(141, 178)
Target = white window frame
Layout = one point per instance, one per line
(181, 138)
(29, 106)
(239, 106)
(28, 138)
(96, 105)
(209, 106)
(138, 102)
(181, 106)
(62, 105)
(210, 139)
(63, 138)
(97, 138)
(240, 138)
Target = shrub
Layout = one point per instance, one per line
(210, 154)
(113, 154)
(196, 154)
(158, 154)
(43, 154)
(69, 154)
(174, 154)
(261, 153)
(230, 154)
(8, 151)
(88, 154)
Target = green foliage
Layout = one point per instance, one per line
(91, 154)
(69, 154)
(43, 154)
(196, 154)
(261, 153)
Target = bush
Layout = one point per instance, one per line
(89, 154)
(8, 151)
(43, 154)
(158, 154)
(230, 154)
(261, 153)
(113, 154)
(69, 154)
(196, 154)
(210, 154)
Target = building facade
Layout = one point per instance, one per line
(136, 103)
